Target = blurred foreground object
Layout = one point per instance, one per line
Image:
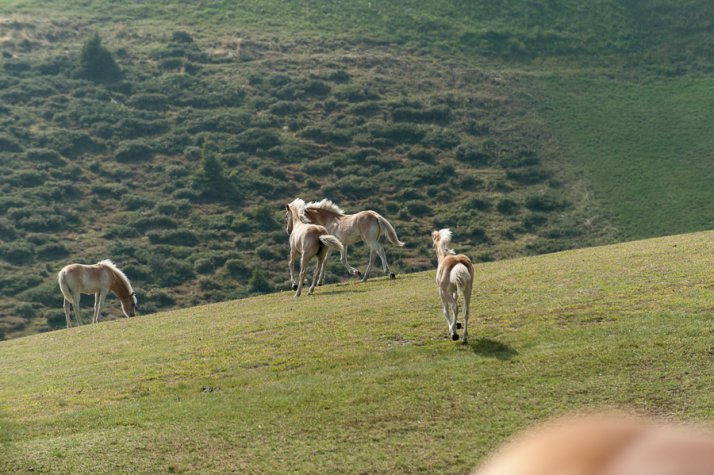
(605, 444)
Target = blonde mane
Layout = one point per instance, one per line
(326, 205)
(125, 280)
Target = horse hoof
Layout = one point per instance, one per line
(320, 284)
(392, 276)
(455, 337)
(458, 325)
(295, 286)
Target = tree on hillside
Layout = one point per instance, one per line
(97, 63)
(257, 282)
(210, 178)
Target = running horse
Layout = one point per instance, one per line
(98, 279)
(454, 275)
(367, 226)
(308, 240)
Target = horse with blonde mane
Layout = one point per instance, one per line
(308, 240)
(98, 279)
(367, 226)
(454, 275)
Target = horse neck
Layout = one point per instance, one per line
(441, 252)
(119, 287)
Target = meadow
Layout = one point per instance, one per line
(360, 378)
(528, 127)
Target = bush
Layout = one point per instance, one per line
(257, 282)
(18, 253)
(96, 63)
(149, 101)
(473, 154)
(175, 237)
(236, 268)
(545, 203)
(8, 143)
(52, 251)
(507, 206)
(133, 151)
(44, 155)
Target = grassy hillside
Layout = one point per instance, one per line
(360, 378)
(489, 118)
(643, 144)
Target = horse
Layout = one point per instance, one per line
(98, 279)
(308, 240)
(454, 275)
(367, 225)
(605, 444)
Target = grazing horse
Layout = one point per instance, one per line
(605, 444)
(97, 279)
(308, 240)
(368, 226)
(454, 275)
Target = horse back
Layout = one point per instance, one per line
(87, 279)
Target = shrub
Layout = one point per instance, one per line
(253, 139)
(149, 101)
(133, 202)
(133, 151)
(210, 178)
(257, 282)
(175, 237)
(507, 206)
(96, 63)
(181, 37)
(26, 310)
(545, 203)
(7, 230)
(8, 143)
(527, 176)
(236, 268)
(203, 266)
(52, 251)
(472, 154)
(266, 253)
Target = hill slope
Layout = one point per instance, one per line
(527, 126)
(359, 378)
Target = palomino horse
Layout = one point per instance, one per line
(454, 275)
(97, 279)
(368, 226)
(308, 240)
(605, 444)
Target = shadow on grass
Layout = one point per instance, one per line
(492, 348)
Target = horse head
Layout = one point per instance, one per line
(288, 219)
(128, 305)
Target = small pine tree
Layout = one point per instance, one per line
(96, 63)
(257, 282)
(210, 177)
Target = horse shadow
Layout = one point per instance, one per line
(492, 348)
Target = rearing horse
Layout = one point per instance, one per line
(308, 240)
(97, 279)
(367, 226)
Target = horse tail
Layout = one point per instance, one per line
(332, 242)
(64, 287)
(390, 232)
(462, 277)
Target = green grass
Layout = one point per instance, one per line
(643, 145)
(360, 377)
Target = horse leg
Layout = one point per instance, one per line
(318, 270)
(447, 298)
(467, 304)
(343, 259)
(369, 264)
(445, 309)
(455, 308)
(321, 279)
(383, 257)
(75, 304)
(291, 265)
(96, 305)
(102, 298)
(304, 260)
(67, 314)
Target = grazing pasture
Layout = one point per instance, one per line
(361, 378)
